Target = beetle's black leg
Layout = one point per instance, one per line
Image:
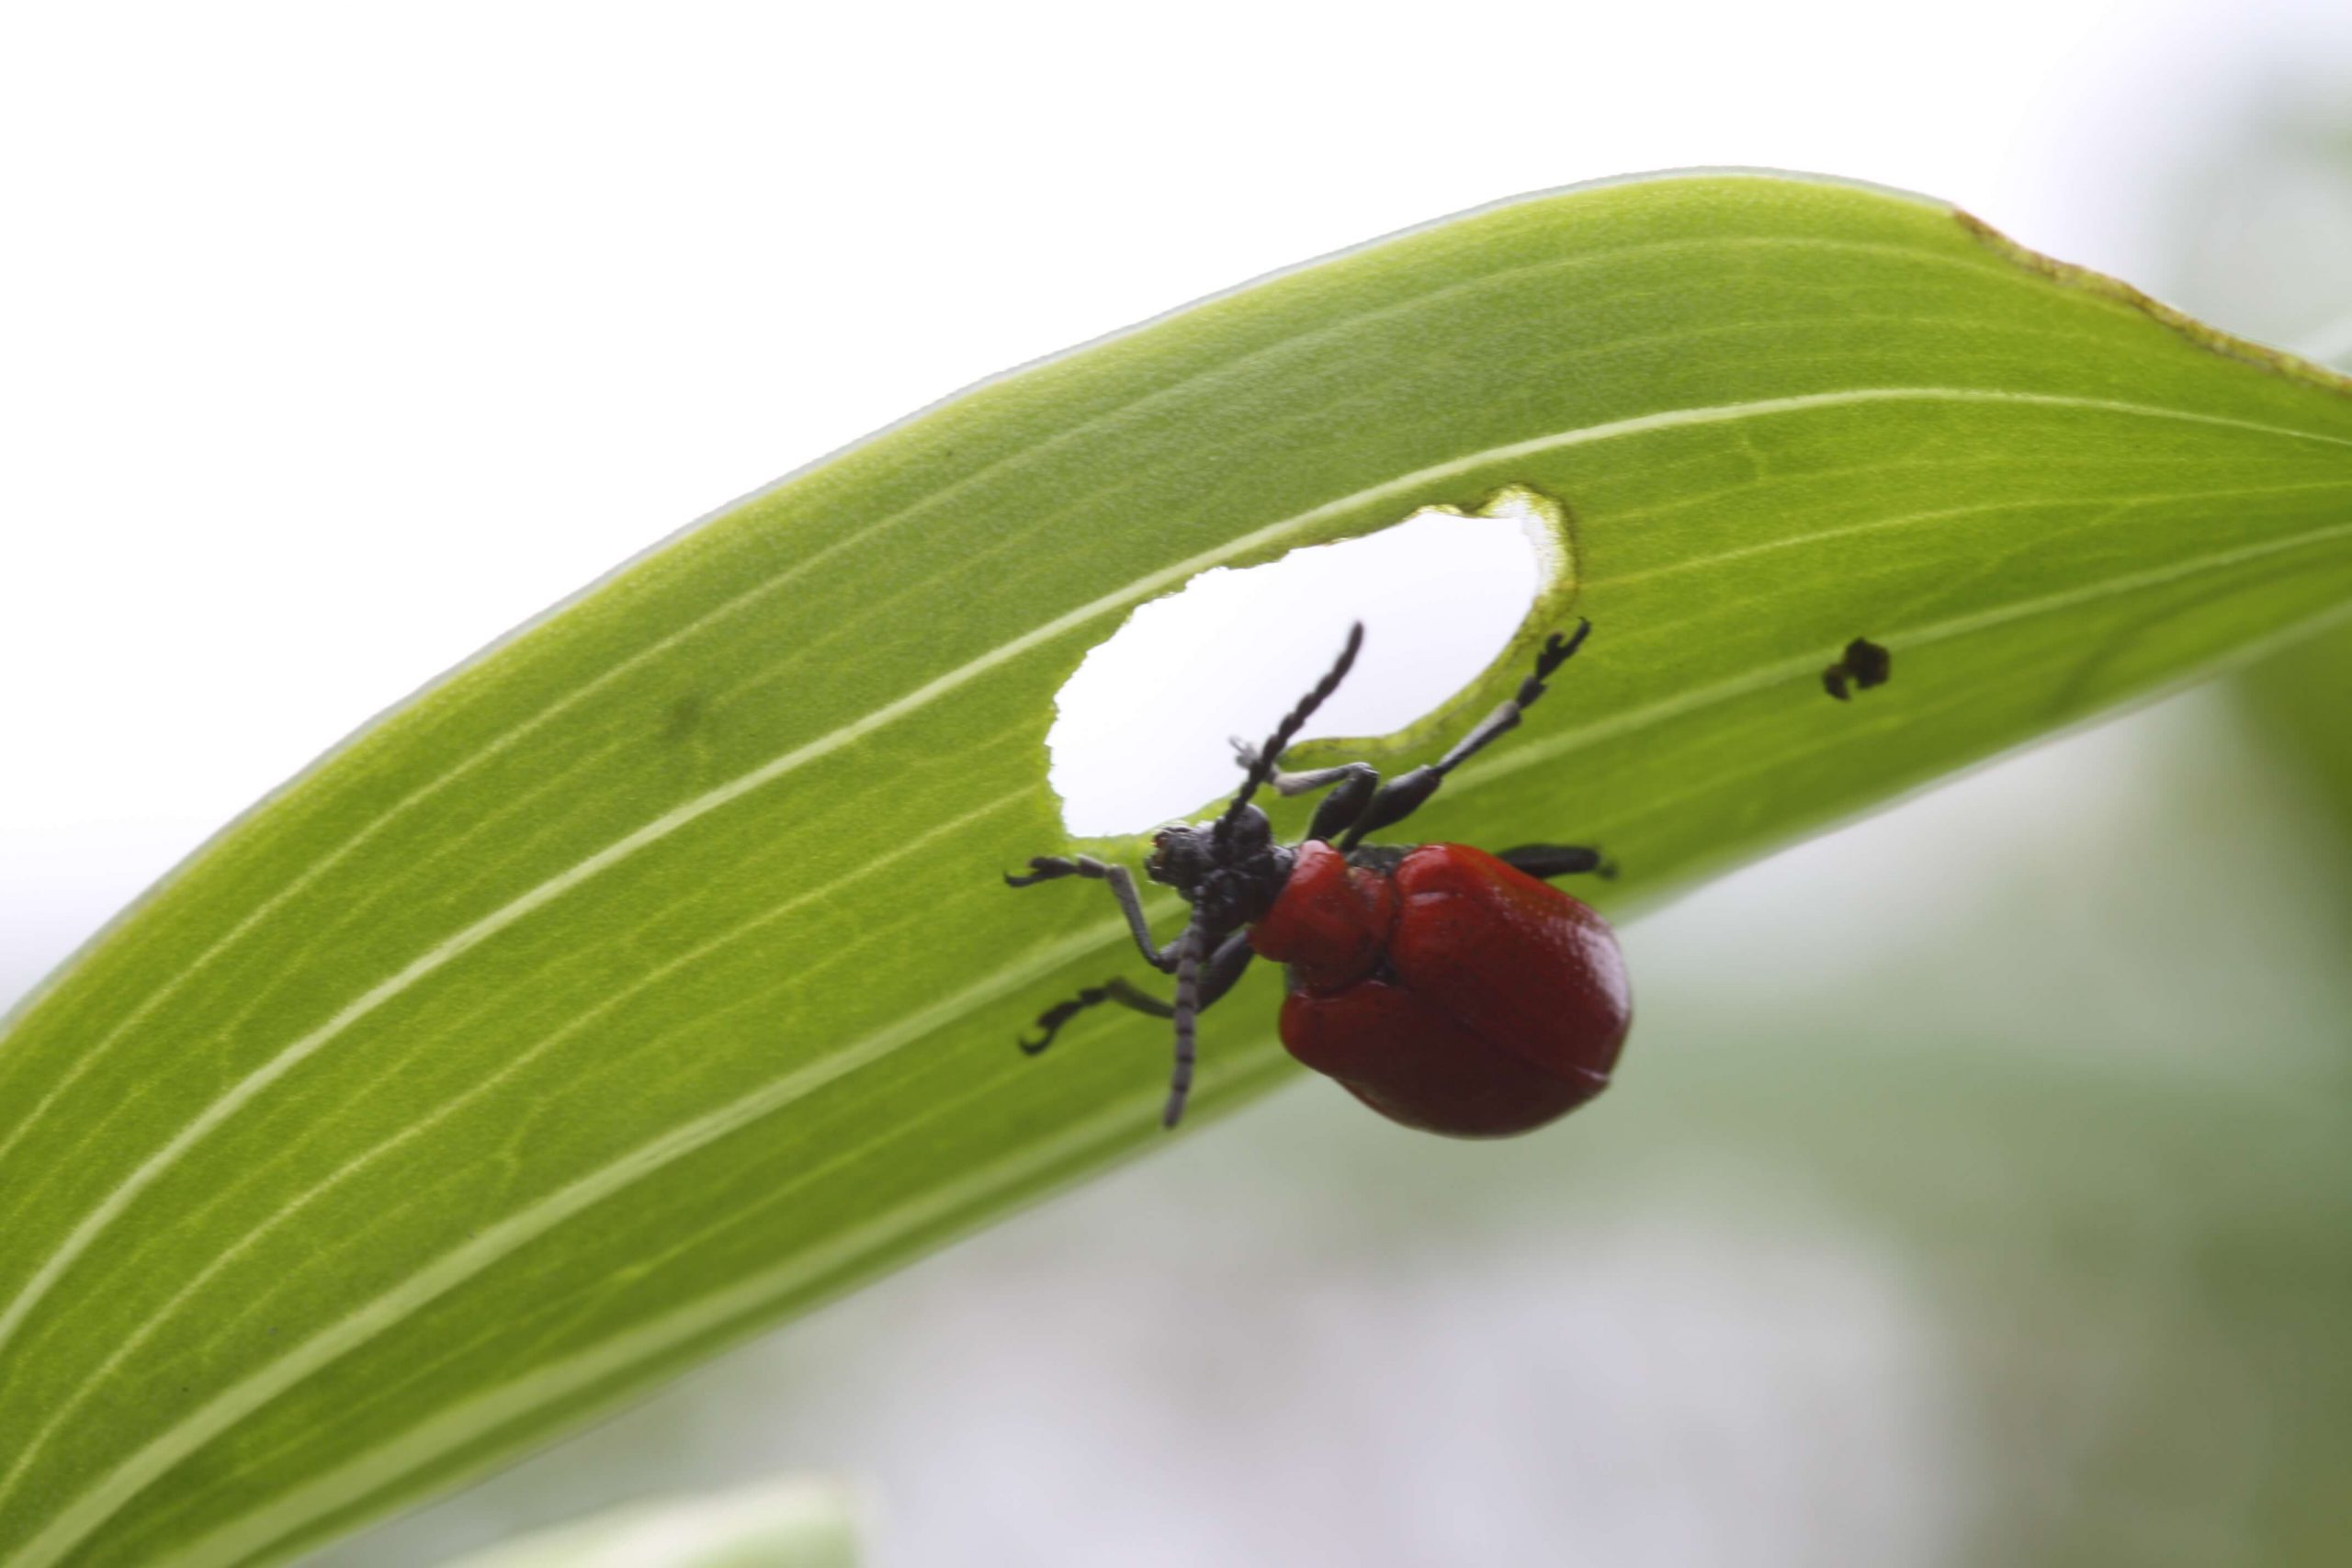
(1406, 793)
(1288, 784)
(1356, 782)
(1225, 967)
(1119, 991)
(1345, 806)
(1557, 650)
(1548, 860)
(1052, 868)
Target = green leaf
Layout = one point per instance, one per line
(650, 978)
(2302, 701)
(792, 1524)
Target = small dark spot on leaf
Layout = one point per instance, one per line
(1865, 663)
(685, 717)
(1870, 663)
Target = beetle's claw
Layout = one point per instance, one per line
(1558, 650)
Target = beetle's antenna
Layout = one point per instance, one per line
(1261, 765)
(1188, 1010)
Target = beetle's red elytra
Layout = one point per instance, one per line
(1455, 994)
(1449, 989)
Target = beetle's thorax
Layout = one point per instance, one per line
(1230, 870)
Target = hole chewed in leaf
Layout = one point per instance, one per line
(1142, 731)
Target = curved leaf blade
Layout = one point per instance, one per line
(650, 978)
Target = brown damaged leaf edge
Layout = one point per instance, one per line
(2277, 360)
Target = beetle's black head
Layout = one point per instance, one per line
(1230, 870)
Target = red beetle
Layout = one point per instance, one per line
(1448, 988)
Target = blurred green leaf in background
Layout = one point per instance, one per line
(798, 1523)
(649, 979)
(2266, 240)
